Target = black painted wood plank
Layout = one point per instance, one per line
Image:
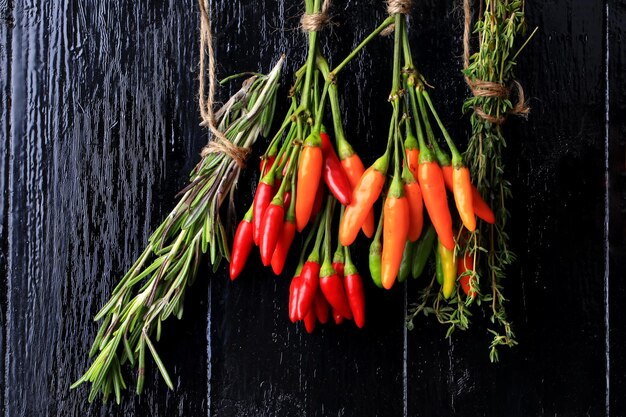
(6, 25)
(262, 364)
(617, 205)
(555, 162)
(104, 130)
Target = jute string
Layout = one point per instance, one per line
(481, 88)
(313, 22)
(219, 143)
(396, 7)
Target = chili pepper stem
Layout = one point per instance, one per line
(388, 21)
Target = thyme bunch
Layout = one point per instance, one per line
(492, 67)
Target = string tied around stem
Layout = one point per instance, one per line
(396, 7)
(314, 22)
(483, 88)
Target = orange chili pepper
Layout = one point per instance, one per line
(363, 197)
(416, 205)
(433, 188)
(309, 175)
(479, 206)
(354, 169)
(395, 231)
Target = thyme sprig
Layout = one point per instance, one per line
(154, 287)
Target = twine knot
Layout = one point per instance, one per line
(396, 7)
(219, 145)
(399, 6)
(482, 88)
(314, 22)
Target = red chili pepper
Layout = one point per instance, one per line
(355, 293)
(466, 264)
(321, 307)
(287, 198)
(338, 317)
(319, 199)
(333, 173)
(294, 291)
(262, 199)
(271, 228)
(310, 281)
(266, 164)
(309, 321)
(332, 288)
(339, 268)
(481, 208)
(356, 297)
(242, 244)
(309, 175)
(282, 246)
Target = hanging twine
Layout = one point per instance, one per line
(482, 88)
(396, 7)
(219, 143)
(314, 22)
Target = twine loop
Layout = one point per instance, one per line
(482, 88)
(314, 22)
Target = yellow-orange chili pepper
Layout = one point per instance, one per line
(448, 266)
(462, 190)
(479, 206)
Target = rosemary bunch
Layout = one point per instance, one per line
(154, 287)
(490, 74)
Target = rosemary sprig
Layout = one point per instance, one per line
(499, 30)
(154, 287)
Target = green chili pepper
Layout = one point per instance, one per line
(423, 251)
(376, 249)
(407, 260)
(438, 268)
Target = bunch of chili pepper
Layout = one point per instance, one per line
(423, 174)
(297, 169)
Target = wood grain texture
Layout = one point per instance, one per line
(99, 128)
(99, 116)
(616, 220)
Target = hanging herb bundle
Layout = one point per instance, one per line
(489, 73)
(154, 287)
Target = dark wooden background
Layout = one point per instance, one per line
(99, 128)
